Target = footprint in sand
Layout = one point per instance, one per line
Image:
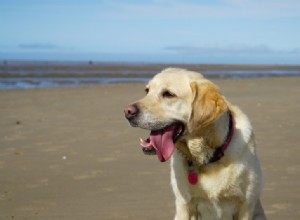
(277, 207)
(88, 175)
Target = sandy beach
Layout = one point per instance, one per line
(69, 154)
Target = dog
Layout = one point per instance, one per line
(215, 171)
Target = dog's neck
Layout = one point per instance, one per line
(201, 147)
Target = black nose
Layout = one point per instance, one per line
(131, 111)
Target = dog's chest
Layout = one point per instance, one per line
(213, 183)
(214, 196)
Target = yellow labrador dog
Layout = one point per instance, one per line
(215, 172)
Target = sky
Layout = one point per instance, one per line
(161, 31)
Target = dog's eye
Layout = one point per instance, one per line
(168, 94)
(147, 90)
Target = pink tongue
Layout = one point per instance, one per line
(162, 141)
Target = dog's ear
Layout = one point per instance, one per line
(207, 105)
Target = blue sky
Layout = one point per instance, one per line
(188, 31)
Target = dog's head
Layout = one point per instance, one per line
(177, 104)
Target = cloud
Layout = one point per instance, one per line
(231, 49)
(39, 46)
(43, 47)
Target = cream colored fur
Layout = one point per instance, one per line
(227, 189)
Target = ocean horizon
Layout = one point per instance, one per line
(56, 74)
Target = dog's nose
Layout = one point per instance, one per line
(131, 111)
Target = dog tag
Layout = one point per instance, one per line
(193, 178)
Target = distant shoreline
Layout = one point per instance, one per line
(126, 64)
(50, 74)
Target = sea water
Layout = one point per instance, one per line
(30, 75)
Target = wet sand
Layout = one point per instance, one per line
(70, 154)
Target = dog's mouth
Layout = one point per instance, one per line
(162, 142)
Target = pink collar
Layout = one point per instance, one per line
(219, 152)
